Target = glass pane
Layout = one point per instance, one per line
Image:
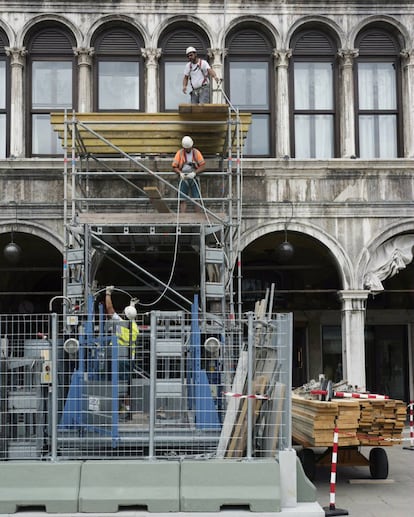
(386, 357)
(118, 85)
(313, 86)
(332, 352)
(257, 141)
(2, 136)
(2, 85)
(173, 85)
(378, 136)
(44, 139)
(249, 85)
(377, 86)
(314, 136)
(52, 85)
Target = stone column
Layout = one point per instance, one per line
(353, 336)
(282, 103)
(17, 107)
(408, 101)
(84, 80)
(346, 103)
(151, 56)
(216, 56)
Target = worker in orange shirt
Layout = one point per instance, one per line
(187, 164)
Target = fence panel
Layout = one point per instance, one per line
(77, 387)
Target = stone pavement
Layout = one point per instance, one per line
(363, 496)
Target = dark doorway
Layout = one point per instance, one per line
(386, 351)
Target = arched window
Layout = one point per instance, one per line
(173, 60)
(249, 80)
(119, 77)
(313, 80)
(4, 97)
(378, 99)
(51, 78)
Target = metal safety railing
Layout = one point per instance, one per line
(71, 389)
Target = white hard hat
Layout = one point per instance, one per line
(187, 142)
(130, 312)
(190, 49)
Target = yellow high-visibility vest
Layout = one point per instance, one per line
(127, 336)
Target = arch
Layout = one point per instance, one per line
(8, 31)
(345, 267)
(385, 22)
(398, 228)
(313, 41)
(50, 236)
(38, 21)
(108, 20)
(257, 22)
(189, 21)
(320, 22)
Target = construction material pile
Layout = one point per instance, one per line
(381, 421)
(313, 421)
(360, 421)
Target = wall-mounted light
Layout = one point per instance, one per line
(285, 250)
(12, 251)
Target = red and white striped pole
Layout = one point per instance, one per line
(411, 447)
(350, 394)
(331, 509)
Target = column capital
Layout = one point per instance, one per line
(217, 54)
(17, 55)
(151, 55)
(282, 57)
(407, 55)
(353, 299)
(84, 55)
(347, 55)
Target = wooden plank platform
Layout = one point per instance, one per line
(153, 133)
(139, 218)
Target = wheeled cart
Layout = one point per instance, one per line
(350, 456)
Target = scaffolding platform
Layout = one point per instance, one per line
(154, 133)
(139, 218)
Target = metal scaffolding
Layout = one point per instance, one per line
(143, 211)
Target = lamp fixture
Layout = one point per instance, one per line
(12, 251)
(285, 250)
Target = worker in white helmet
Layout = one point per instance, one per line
(187, 164)
(198, 72)
(127, 332)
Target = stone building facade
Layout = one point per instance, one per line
(328, 163)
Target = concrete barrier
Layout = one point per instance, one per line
(52, 487)
(215, 485)
(110, 486)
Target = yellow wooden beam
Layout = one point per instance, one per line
(151, 133)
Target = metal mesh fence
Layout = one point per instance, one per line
(80, 387)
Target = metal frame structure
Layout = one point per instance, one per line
(60, 393)
(215, 232)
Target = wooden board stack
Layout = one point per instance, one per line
(381, 422)
(313, 421)
(369, 422)
(267, 413)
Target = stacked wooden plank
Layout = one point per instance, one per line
(313, 421)
(381, 422)
(266, 413)
(153, 133)
(369, 422)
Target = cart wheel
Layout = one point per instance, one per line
(307, 458)
(378, 463)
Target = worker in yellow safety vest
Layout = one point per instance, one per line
(127, 332)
